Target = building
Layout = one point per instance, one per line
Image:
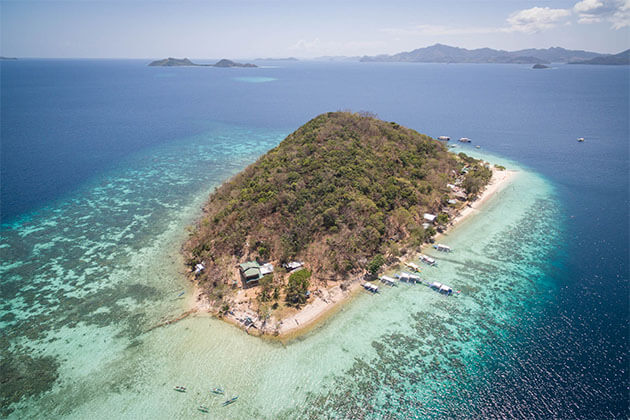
(250, 272)
(429, 217)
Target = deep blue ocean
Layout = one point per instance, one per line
(67, 123)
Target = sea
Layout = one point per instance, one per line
(104, 168)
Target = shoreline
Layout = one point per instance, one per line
(328, 301)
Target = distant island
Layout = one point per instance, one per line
(540, 66)
(340, 199)
(621, 59)
(440, 53)
(184, 62)
(7, 58)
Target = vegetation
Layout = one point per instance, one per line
(297, 288)
(335, 194)
(376, 263)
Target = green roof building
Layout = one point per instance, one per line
(250, 271)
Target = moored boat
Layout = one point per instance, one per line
(218, 391)
(444, 138)
(388, 280)
(464, 140)
(442, 248)
(426, 259)
(413, 266)
(230, 401)
(370, 287)
(441, 288)
(203, 409)
(179, 388)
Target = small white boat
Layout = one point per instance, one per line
(442, 248)
(408, 277)
(370, 287)
(464, 140)
(413, 266)
(441, 288)
(580, 139)
(389, 280)
(426, 259)
(444, 138)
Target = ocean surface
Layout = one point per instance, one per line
(104, 164)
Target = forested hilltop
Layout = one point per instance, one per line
(339, 193)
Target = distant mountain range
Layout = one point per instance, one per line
(184, 62)
(440, 53)
(623, 58)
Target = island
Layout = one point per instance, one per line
(343, 198)
(540, 66)
(185, 62)
(620, 59)
(440, 53)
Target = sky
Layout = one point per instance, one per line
(305, 29)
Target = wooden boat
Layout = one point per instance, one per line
(413, 266)
(427, 260)
(442, 248)
(180, 388)
(370, 287)
(230, 401)
(218, 391)
(390, 281)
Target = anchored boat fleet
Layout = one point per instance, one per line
(413, 277)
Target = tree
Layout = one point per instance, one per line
(442, 218)
(297, 288)
(375, 264)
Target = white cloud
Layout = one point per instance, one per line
(617, 12)
(586, 6)
(536, 19)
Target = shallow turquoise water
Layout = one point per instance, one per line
(101, 276)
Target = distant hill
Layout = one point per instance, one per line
(184, 62)
(230, 63)
(440, 53)
(8, 58)
(623, 58)
(172, 62)
(539, 66)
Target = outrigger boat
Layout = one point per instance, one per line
(370, 287)
(413, 266)
(442, 248)
(180, 388)
(388, 280)
(442, 288)
(203, 409)
(408, 278)
(230, 401)
(218, 391)
(426, 259)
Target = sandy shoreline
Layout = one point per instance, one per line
(326, 302)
